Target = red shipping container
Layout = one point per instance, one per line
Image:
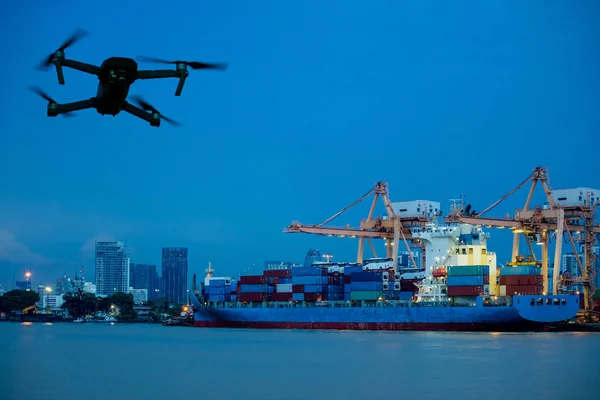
(278, 273)
(523, 289)
(253, 279)
(312, 296)
(333, 280)
(347, 279)
(297, 288)
(520, 280)
(465, 290)
(281, 297)
(246, 297)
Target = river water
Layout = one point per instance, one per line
(127, 361)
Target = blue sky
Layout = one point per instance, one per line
(320, 101)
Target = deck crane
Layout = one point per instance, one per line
(538, 223)
(389, 228)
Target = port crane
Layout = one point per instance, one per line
(538, 223)
(390, 228)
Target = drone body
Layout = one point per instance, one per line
(115, 76)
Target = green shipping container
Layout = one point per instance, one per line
(596, 294)
(365, 295)
(466, 270)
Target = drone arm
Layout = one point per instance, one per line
(151, 118)
(77, 65)
(180, 72)
(56, 109)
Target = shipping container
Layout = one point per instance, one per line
(284, 288)
(234, 298)
(217, 289)
(309, 271)
(512, 280)
(334, 297)
(366, 286)
(523, 289)
(281, 296)
(334, 279)
(278, 273)
(313, 289)
(347, 279)
(285, 280)
(313, 297)
(334, 289)
(297, 288)
(253, 279)
(217, 282)
(520, 270)
(502, 291)
(352, 269)
(465, 291)
(366, 295)
(220, 298)
(465, 280)
(309, 280)
(298, 296)
(252, 288)
(460, 270)
(366, 276)
(249, 297)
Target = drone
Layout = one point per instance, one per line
(115, 76)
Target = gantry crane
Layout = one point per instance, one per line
(537, 224)
(390, 228)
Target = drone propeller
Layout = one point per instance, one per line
(76, 36)
(37, 90)
(144, 105)
(191, 64)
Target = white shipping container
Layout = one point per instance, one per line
(284, 288)
(416, 208)
(502, 290)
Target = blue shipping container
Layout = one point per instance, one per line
(313, 288)
(360, 286)
(309, 280)
(366, 276)
(298, 296)
(520, 270)
(347, 287)
(216, 282)
(465, 280)
(308, 271)
(252, 288)
(351, 270)
(234, 298)
(285, 280)
(216, 289)
(406, 295)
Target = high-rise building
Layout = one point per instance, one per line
(313, 255)
(174, 274)
(112, 268)
(63, 285)
(143, 276)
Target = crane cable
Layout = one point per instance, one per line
(506, 195)
(345, 209)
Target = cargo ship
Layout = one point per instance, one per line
(459, 288)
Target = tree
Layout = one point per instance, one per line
(80, 304)
(17, 300)
(125, 302)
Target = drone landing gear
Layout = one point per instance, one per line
(55, 109)
(152, 118)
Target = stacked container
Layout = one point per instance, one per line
(521, 279)
(253, 288)
(281, 280)
(309, 283)
(218, 290)
(366, 285)
(468, 280)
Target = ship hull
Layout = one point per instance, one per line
(524, 326)
(528, 313)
